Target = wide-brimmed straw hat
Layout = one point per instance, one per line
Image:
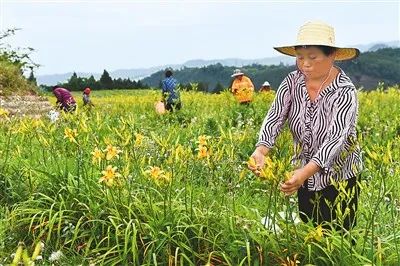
(318, 33)
(266, 84)
(237, 72)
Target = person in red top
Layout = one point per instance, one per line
(65, 101)
(86, 98)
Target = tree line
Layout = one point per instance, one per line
(106, 82)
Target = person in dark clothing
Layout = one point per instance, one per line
(171, 95)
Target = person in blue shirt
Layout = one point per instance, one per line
(170, 92)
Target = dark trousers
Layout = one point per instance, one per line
(330, 204)
(173, 106)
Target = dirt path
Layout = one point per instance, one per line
(30, 105)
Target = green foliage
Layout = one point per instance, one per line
(13, 63)
(12, 82)
(32, 78)
(370, 68)
(105, 80)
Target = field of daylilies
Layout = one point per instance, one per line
(122, 185)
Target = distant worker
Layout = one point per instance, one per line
(170, 93)
(242, 87)
(65, 101)
(86, 98)
(266, 87)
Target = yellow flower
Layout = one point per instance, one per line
(138, 139)
(202, 152)
(202, 140)
(109, 174)
(158, 175)
(316, 234)
(112, 152)
(266, 173)
(70, 134)
(288, 175)
(97, 155)
(251, 163)
(154, 172)
(269, 163)
(4, 112)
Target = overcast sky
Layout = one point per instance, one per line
(92, 35)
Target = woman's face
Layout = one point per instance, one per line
(313, 62)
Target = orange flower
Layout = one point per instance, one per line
(203, 152)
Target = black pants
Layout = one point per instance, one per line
(173, 106)
(330, 204)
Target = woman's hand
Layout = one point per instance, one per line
(294, 182)
(298, 177)
(259, 160)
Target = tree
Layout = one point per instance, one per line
(32, 78)
(106, 81)
(92, 83)
(75, 83)
(218, 88)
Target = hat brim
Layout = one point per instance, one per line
(342, 54)
(237, 74)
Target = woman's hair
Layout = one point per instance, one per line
(168, 73)
(326, 50)
(55, 87)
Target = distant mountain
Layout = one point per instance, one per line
(377, 45)
(139, 73)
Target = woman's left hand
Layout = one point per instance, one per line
(294, 182)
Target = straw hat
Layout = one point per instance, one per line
(318, 33)
(266, 84)
(236, 73)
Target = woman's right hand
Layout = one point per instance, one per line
(259, 159)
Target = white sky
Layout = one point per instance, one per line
(90, 36)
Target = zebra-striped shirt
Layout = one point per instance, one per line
(324, 130)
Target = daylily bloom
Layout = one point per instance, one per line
(109, 174)
(71, 134)
(202, 152)
(315, 234)
(202, 140)
(97, 155)
(158, 175)
(112, 152)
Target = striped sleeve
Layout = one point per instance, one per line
(344, 119)
(277, 115)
